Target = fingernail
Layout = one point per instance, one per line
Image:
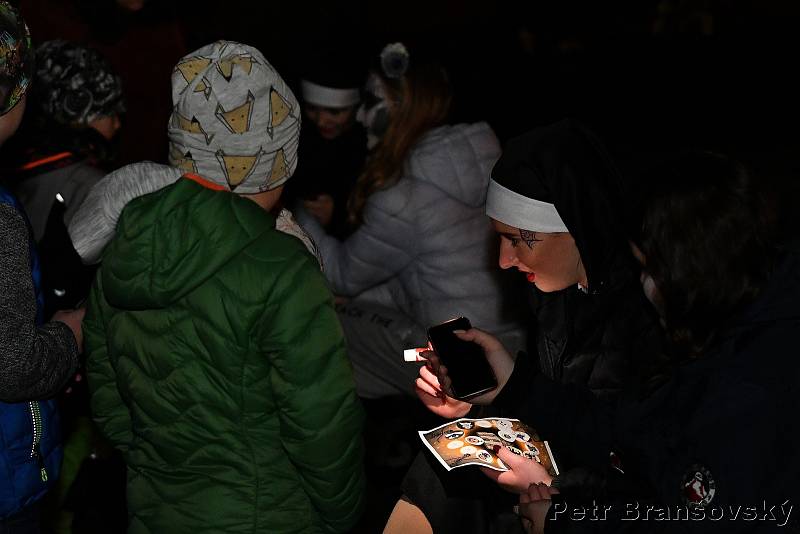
(459, 331)
(496, 448)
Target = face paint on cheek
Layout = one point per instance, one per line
(376, 121)
(374, 112)
(528, 237)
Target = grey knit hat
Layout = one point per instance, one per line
(235, 122)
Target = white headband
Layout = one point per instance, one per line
(519, 211)
(329, 98)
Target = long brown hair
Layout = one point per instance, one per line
(422, 99)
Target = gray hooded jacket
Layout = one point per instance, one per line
(425, 243)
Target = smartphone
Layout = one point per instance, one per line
(469, 372)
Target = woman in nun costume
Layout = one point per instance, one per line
(555, 200)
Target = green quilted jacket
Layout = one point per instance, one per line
(217, 365)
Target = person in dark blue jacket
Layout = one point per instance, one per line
(36, 358)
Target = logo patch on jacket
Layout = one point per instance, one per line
(698, 486)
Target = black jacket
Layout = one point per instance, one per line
(606, 341)
(609, 342)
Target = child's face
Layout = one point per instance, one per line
(107, 126)
(330, 122)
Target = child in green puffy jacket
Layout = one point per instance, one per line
(215, 357)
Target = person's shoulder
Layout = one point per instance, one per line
(86, 169)
(68, 171)
(274, 248)
(284, 268)
(467, 151)
(457, 137)
(80, 177)
(12, 221)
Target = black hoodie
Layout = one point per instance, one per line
(608, 337)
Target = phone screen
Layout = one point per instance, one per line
(470, 373)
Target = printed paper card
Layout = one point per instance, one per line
(471, 442)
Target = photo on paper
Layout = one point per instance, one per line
(471, 442)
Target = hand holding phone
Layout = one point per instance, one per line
(469, 373)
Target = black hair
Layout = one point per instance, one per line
(707, 235)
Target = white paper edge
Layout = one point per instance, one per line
(552, 458)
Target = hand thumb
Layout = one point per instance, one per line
(507, 457)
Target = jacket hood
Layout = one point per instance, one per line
(93, 225)
(172, 241)
(456, 159)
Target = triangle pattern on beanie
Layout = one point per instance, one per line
(237, 168)
(280, 169)
(244, 62)
(185, 162)
(203, 87)
(237, 120)
(191, 68)
(192, 126)
(225, 65)
(279, 109)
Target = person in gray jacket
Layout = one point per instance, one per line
(60, 153)
(422, 251)
(77, 103)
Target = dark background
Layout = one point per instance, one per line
(650, 75)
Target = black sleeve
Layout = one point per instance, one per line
(35, 362)
(575, 422)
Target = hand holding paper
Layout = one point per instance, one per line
(522, 472)
(507, 450)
